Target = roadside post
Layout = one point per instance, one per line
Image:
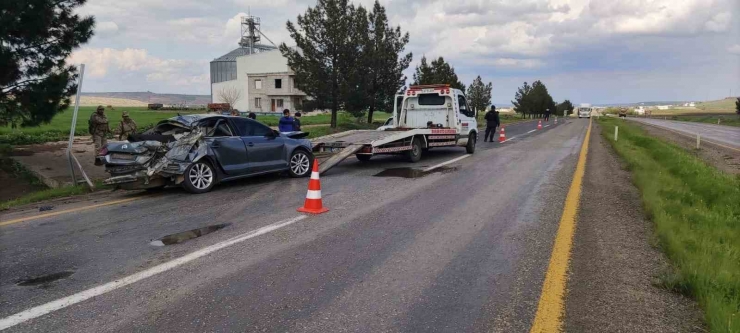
(616, 132)
(718, 119)
(74, 123)
(698, 141)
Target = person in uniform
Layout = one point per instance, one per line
(99, 128)
(126, 127)
(492, 121)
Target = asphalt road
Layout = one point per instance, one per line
(462, 249)
(726, 135)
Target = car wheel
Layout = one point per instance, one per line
(470, 147)
(363, 157)
(300, 163)
(414, 155)
(199, 177)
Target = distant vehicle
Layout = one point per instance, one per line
(623, 112)
(199, 151)
(424, 116)
(584, 111)
(388, 124)
(154, 106)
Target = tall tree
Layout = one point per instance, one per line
(479, 94)
(326, 50)
(385, 64)
(737, 106)
(565, 108)
(36, 38)
(230, 95)
(533, 100)
(439, 72)
(522, 100)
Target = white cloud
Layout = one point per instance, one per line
(106, 28)
(735, 49)
(719, 22)
(107, 63)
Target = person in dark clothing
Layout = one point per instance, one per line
(252, 116)
(547, 114)
(297, 122)
(286, 123)
(492, 121)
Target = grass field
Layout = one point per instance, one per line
(58, 128)
(695, 211)
(723, 105)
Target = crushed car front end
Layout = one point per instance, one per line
(160, 159)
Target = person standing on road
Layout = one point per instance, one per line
(126, 127)
(252, 116)
(547, 114)
(297, 122)
(286, 122)
(99, 129)
(492, 121)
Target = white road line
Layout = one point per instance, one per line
(509, 139)
(532, 131)
(547, 125)
(445, 163)
(61, 303)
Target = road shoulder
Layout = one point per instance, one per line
(613, 265)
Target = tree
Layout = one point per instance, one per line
(737, 106)
(384, 62)
(565, 108)
(533, 100)
(230, 95)
(326, 51)
(439, 72)
(479, 94)
(36, 38)
(522, 100)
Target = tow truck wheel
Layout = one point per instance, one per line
(199, 177)
(363, 158)
(414, 155)
(470, 147)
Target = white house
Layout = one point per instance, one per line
(266, 82)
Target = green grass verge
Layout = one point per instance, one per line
(696, 212)
(728, 120)
(46, 194)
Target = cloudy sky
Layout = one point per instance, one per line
(597, 51)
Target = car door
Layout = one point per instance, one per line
(229, 149)
(265, 148)
(466, 115)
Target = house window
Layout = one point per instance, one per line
(258, 102)
(280, 103)
(278, 83)
(257, 84)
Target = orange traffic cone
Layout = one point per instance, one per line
(502, 135)
(313, 203)
(539, 125)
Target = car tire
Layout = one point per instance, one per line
(300, 163)
(363, 157)
(472, 139)
(414, 155)
(200, 177)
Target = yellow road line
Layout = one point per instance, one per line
(28, 218)
(551, 306)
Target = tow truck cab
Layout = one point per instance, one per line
(436, 106)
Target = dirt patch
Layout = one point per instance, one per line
(727, 160)
(14, 187)
(614, 269)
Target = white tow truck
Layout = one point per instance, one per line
(425, 116)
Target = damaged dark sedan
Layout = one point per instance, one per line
(199, 151)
